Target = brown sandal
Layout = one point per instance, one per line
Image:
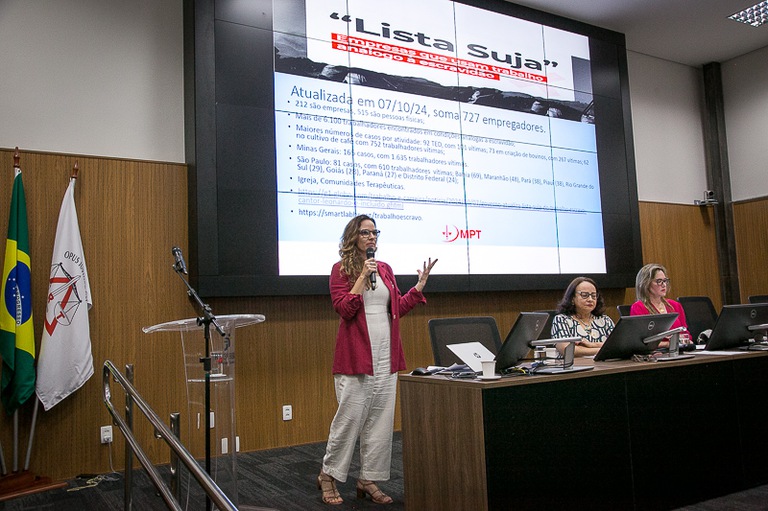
(327, 485)
(369, 488)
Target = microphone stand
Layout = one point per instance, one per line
(206, 320)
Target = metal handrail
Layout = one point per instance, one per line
(208, 485)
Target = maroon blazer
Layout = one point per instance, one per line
(353, 344)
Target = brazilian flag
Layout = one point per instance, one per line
(17, 337)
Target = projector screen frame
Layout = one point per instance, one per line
(232, 230)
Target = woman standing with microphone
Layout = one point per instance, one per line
(368, 355)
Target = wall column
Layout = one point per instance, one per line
(719, 181)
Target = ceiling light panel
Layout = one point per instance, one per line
(755, 15)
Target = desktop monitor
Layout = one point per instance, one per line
(546, 332)
(527, 328)
(626, 339)
(732, 326)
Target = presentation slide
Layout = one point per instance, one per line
(468, 135)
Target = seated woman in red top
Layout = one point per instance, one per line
(369, 353)
(651, 287)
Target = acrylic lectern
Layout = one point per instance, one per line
(221, 389)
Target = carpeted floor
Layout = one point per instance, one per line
(280, 479)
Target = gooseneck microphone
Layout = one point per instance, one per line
(180, 265)
(369, 254)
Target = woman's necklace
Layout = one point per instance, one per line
(661, 309)
(586, 324)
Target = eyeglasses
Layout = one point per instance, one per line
(661, 282)
(584, 295)
(366, 233)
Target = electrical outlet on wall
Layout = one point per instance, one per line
(106, 434)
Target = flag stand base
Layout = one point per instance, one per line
(20, 484)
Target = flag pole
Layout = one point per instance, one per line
(31, 434)
(21, 483)
(16, 165)
(16, 440)
(3, 469)
(33, 428)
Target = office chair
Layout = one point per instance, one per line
(445, 331)
(758, 299)
(623, 309)
(547, 332)
(699, 313)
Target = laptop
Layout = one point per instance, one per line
(626, 339)
(565, 364)
(471, 353)
(527, 328)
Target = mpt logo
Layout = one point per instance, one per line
(453, 233)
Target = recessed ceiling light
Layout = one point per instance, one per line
(755, 15)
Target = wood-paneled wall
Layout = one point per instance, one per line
(751, 227)
(132, 213)
(682, 238)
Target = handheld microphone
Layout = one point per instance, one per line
(369, 254)
(180, 264)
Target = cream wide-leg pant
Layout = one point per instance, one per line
(366, 404)
(366, 410)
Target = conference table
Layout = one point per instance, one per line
(624, 436)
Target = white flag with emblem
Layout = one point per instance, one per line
(66, 362)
